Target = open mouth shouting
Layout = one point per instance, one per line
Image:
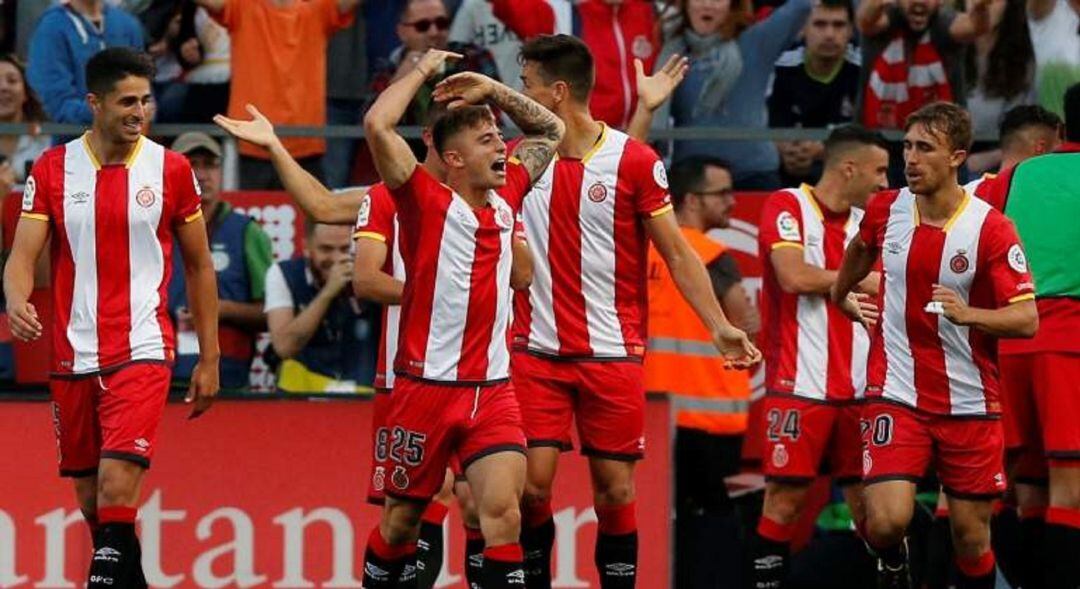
(499, 166)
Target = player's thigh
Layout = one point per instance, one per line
(1056, 380)
(423, 423)
(496, 481)
(545, 395)
(611, 410)
(131, 406)
(494, 430)
(855, 497)
(796, 433)
(75, 422)
(969, 457)
(896, 442)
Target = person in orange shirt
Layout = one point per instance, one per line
(279, 64)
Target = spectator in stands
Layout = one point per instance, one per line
(67, 35)
(346, 88)
(731, 62)
(905, 36)
(815, 85)
(475, 22)
(617, 32)
(278, 57)
(1001, 68)
(18, 104)
(168, 85)
(241, 253)
(326, 338)
(423, 25)
(1055, 34)
(204, 49)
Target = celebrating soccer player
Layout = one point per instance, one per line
(815, 357)
(579, 332)
(453, 395)
(112, 202)
(954, 279)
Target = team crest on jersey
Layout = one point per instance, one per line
(145, 197)
(597, 192)
(400, 478)
(642, 47)
(504, 218)
(378, 479)
(28, 193)
(788, 227)
(779, 456)
(364, 215)
(959, 263)
(659, 173)
(1017, 259)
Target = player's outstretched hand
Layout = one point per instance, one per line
(259, 130)
(655, 89)
(736, 347)
(953, 307)
(203, 388)
(434, 61)
(861, 308)
(465, 88)
(23, 321)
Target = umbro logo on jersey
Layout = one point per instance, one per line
(894, 247)
(80, 197)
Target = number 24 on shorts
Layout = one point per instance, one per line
(783, 424)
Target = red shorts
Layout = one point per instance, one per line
(114, 415)
(802, 436)
(380, 444)
(1041, 401)
(900, 443)
(607, 399)
(431, 424)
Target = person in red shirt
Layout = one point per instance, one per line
(954, 279)
(113, 201)
(453, 397)
(579, 332)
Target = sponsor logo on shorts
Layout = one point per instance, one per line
(999, 481)
(620, 569)
(106, 554)
(768, 563)
(515, 577)
(142, 445)
(400, 478)
(378, 480)
(779, 456)
(598, 192)
(959, 262)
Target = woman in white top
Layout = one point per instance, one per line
(18, 104)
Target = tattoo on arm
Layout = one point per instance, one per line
(543, 130)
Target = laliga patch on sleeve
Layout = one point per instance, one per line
(1017, 260)
(28, 194)
(660, 174)
(195, 182)
(364, 215)
(788, 227)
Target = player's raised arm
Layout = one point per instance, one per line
(394, 160)
(31, 235)
(542, 128)
(653, 91)
(313, 196)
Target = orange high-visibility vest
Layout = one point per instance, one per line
(681, 359)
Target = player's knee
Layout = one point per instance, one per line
(501, 515)
(536, 494)
(613, 490)
(1065, 486)
(782, 508)
(970, 538)
(400, 522)
(116, 488)
(884, 528)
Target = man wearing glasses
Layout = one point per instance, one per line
(423, 25)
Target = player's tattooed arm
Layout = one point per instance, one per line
(543, 130)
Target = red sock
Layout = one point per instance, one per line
(473, 533)
(775, 531)
(435, 513)
(616, 520)
(378, 545)
(536, 513)
(980, 566)
(505, 553)
(116, 514)
(1061, 516)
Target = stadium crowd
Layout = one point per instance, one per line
(1008, 64)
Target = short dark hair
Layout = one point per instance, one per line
(846, 5)
(944, 119)
(456, 121)
(565, 58)
(1072, 113)
(1021, 117)
(843, 138)
(688, 174)
(109, 66)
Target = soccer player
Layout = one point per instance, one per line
(579, 333)
(1041, 377)
(453, 397)
(1026, 131)
(954, 279)
(112, 202)
(815, 356)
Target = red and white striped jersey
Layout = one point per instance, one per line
(377, 219)
(990, 188)
(112, 229)
(919, 358)
(583, 222)
(455, 312)
(811, 348)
